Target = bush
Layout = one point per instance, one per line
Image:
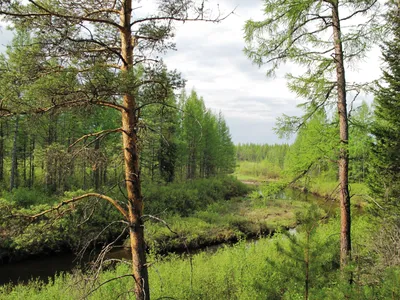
(64, 229)
(186, 198)
(25, 197)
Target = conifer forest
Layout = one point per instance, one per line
(124, 175)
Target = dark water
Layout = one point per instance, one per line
(41, 268)
(45, 268)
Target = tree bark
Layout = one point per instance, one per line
(345, 228)
(131, 162)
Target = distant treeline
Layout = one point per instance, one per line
(313, 152)
(59, 151)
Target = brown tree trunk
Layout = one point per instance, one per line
(345, 237)
(131, 162)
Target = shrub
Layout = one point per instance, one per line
(188, 197)
(25, 197)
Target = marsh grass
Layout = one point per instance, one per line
(242, 271)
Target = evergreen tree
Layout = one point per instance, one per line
(322, 37)
(313, 149)
(360, 139)
(385, 174)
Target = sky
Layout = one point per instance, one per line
(211, 59)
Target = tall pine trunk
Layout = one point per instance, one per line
(131, 163)
(345, 237)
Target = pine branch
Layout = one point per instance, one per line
(76, 199)
(101, 133)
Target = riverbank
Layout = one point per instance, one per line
(258, 270)
(222, 222)
(225, 221)
(328, 190)
(94, 223)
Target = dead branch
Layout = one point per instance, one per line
(108, 281)
(76, 199)
(102, 133)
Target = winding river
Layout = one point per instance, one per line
(43, 268)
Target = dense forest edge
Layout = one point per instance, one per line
(104, 147)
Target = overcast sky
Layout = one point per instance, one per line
(210, 57)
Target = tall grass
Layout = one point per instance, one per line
(260, 171)
(243, 271)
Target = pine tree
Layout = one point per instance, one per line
(322, 37)
(385, 174)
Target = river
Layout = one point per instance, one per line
(43, 268)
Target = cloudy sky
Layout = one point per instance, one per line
(210, 57)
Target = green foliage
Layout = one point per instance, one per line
(205, 147)
(297, 32)
(314, 149)
(260, 161)
(360, 142)
(309, 258)
(90, 222)
(243, 271)
(25, 197)
(385, 174)
(268, 191)
(186, 198)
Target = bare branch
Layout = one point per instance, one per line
(361, 11)
(102, 133)
(108, 281)
(76, 199)
(172, 18)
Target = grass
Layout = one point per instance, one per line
(222, 221)
(358, 191)
(257, 270)
(257, 171)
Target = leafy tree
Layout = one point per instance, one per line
(205, 143)
(225, 149)
(313, 149)
(321, 36)
(194, 111)
(18, 69)
(360, 139)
